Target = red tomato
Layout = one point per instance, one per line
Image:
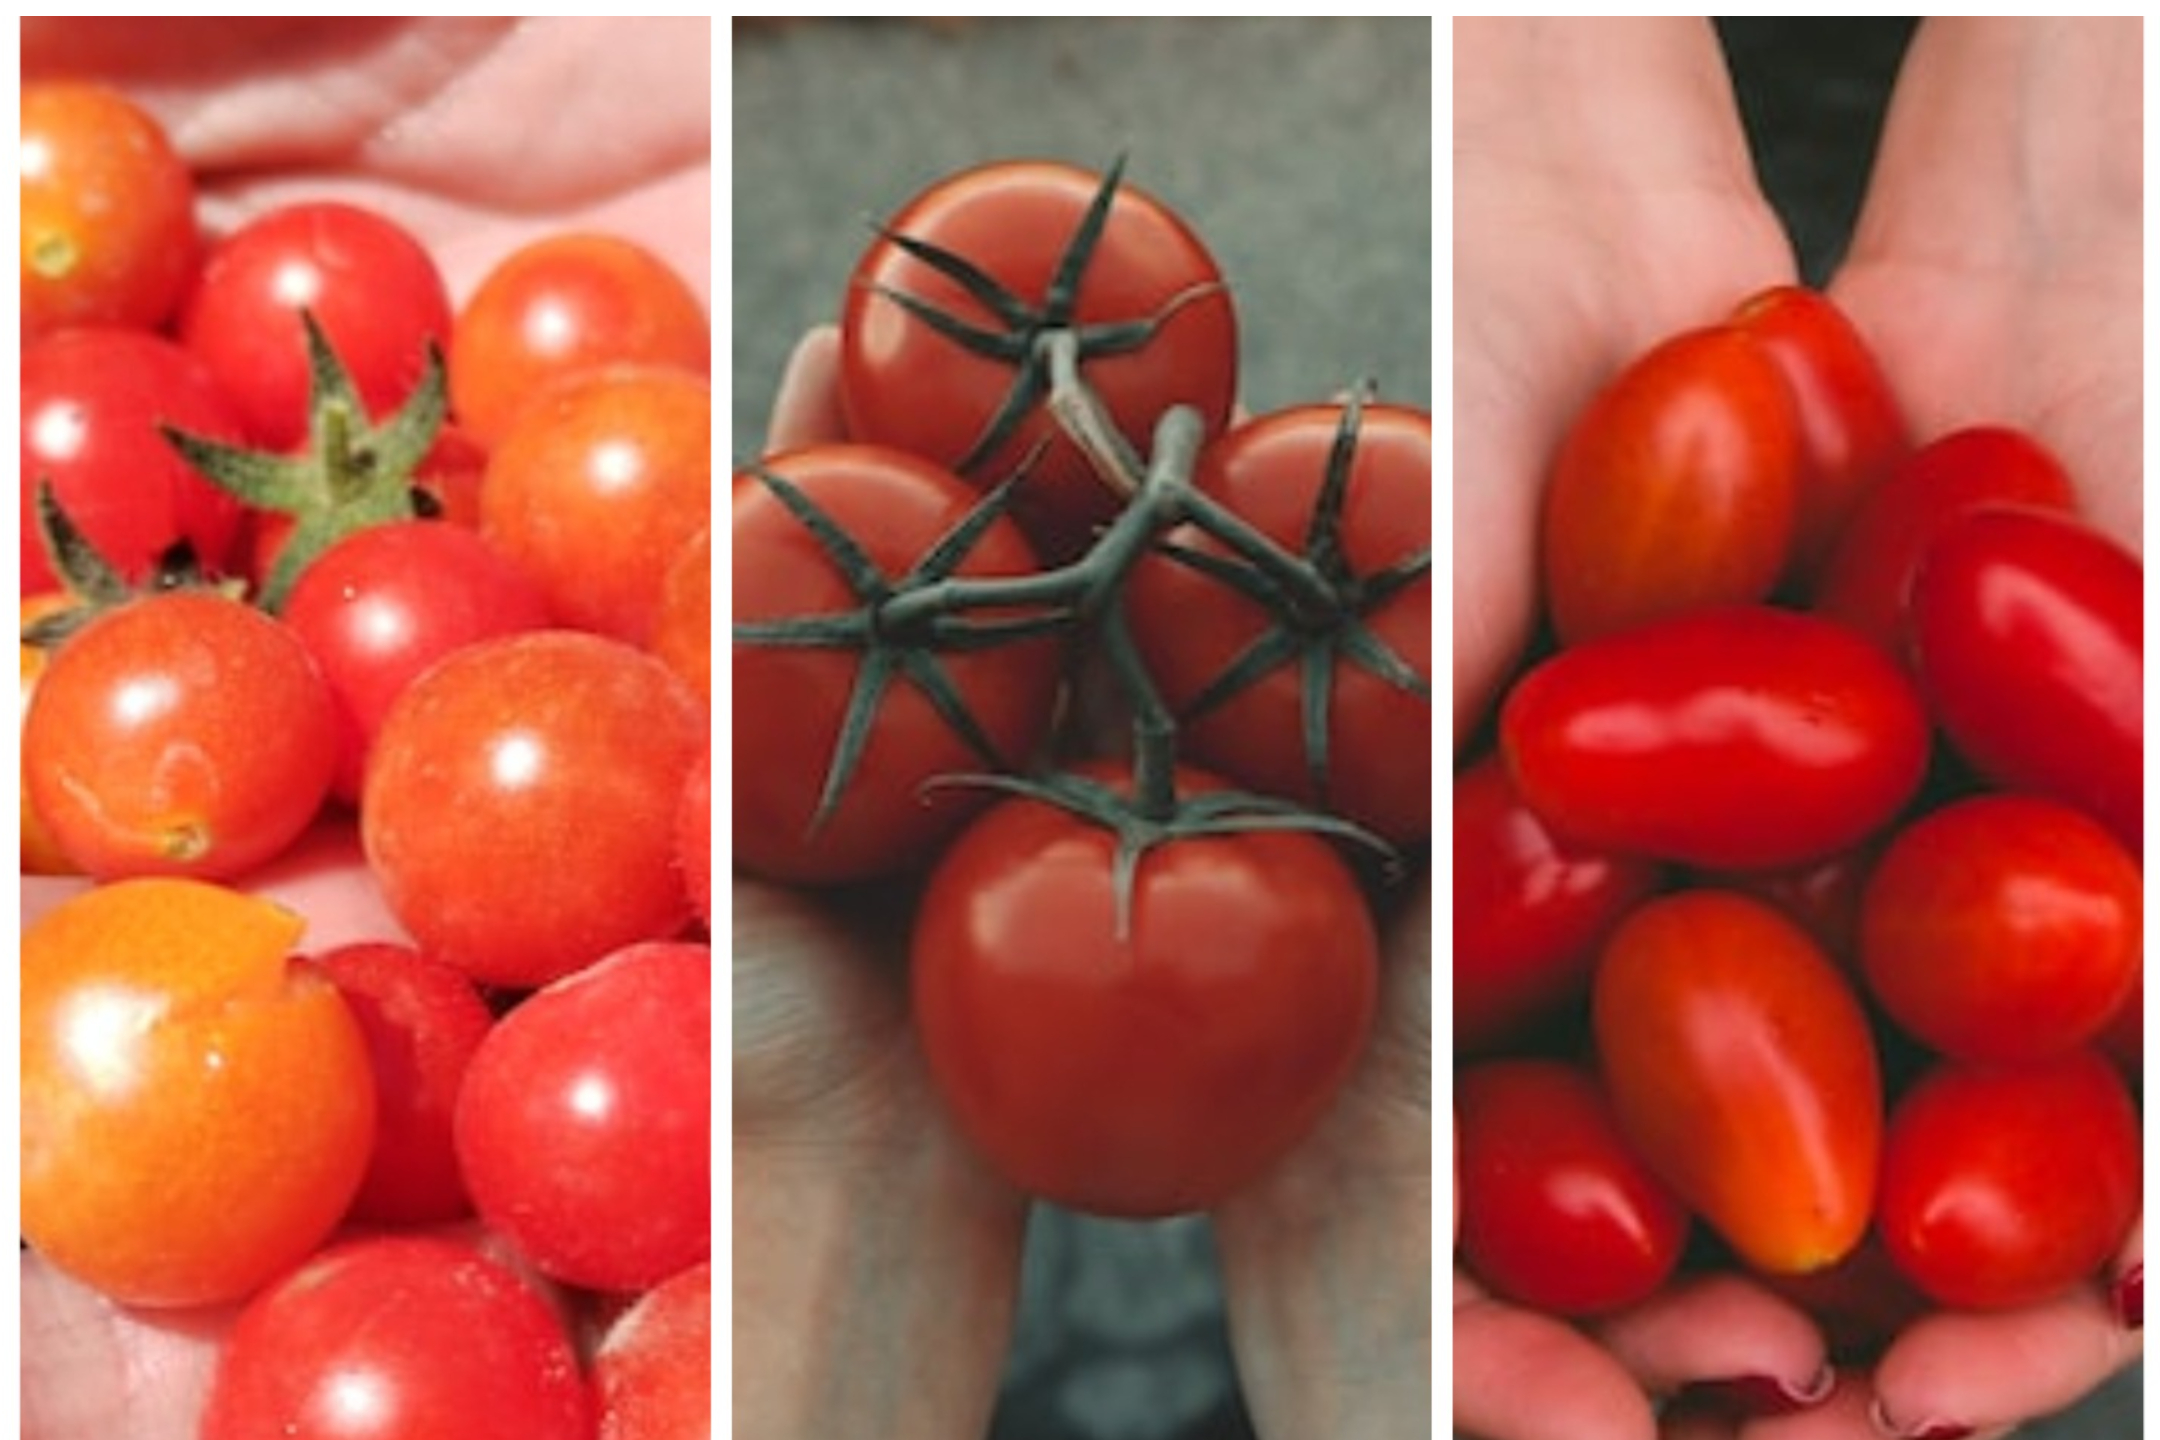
(2004, 1186)
(906, 384)
(1530, 911)
(1151, 1057)
(897, 507)
(2003, 927)
(693, 834)
(1852, 433)
(1868, 575)
(108, 211)
(2028, 633)
(1743, 737)
(1556, 1210)
(1742, 1068)
(652, 1371)
(1192, 628)
(1674, 489)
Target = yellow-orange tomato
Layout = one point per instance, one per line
(682, 632)
(197, 1104)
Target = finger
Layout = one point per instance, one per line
(2128, 1289)
(1726, 1344)
(1999, 1369)
(806, 409)
(1524, 1376)
(1844, 1415)
(93, 1368)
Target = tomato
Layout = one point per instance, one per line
(906, 383)
(92, 402)
(41, 854)
(1145, 1058)
(584, 1126)
(652, 1372)
(1192, 628)
(197, 1107)
(693, 834)
(2005, 1186)
(1530, 911)
(1852, 433)
(371, 286)
(2028, 633)
(1822, 896)
(897, 508)
(516, 811)
(108, 211)
(1674, 489)
(1742, 737)
(682, 619)
(562, 304)
(1742, 1068)
(413, 1335)
(182, 733)
(2003, 927)
(1556, 1210)
(1868, 576)
(597, 487)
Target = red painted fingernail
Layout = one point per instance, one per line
(1754, 1397)
(2130, 1298)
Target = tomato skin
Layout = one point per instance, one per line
(1742, 1068)
(2067, 718)
(1744, 737)
(2003, 927)
(1556, 1211)
(1674, 489)
(1157, 1072)
(1868, 576)
(1852, 432)
(1190, 628)
(904, 385)
(1530, 911)
(2004, 1186)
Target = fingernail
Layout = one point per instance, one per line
(2130, 1298)
(1932, 1430)
(1755, 1397)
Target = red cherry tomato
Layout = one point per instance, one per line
(2003, 927)
(2028, 634)
(2006, 1185)
(1743, 737)
(1674, 489)
(652, 1371)
(1556, 1210)
(1742, 1068)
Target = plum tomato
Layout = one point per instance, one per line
(180, 733)
(797, 698)
(1743, 1070)
(2003, 927)
(516, 811)
(108, 211)
(1368, 629)
(1556, 1210)
(1674, 489)
(1740, 737)
(1147, 1054)
(2005, 1185)
(1530, 911)
(2028, 637)
(415, 1335)
(583, 1127)
(1155, 322)
(197, 1105)
(652, 1371)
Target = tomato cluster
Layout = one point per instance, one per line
(1125, 689)
(1798, 877)
(366, 756)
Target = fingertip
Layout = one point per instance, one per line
(806, 408)
(1724, 1331)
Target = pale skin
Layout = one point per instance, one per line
(1604, 198)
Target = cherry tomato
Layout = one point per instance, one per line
(1192, 628)
(652, 1372)
(182, 733)
(1868, 576)
(2003, 927)
(905, 383)
(108, 211)
(1742, 1068)
(563, 304)
(1742, 737)
(1674, 489)
(41, 854)
(1852, 433)
(2028, 634)
(682, 620)
(1556, 1210)
(2004, 1186)
(1530, 911)
(693, 834)
(1148, 1057)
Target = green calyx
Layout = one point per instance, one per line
(94, 582)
